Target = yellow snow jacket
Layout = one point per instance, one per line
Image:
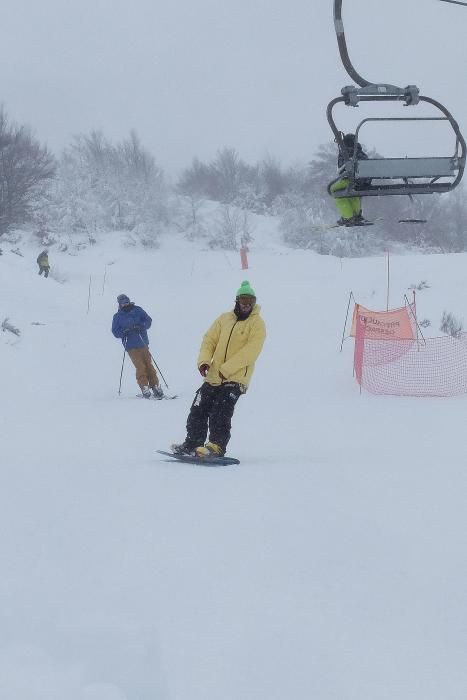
(43, 260)
(231, 347)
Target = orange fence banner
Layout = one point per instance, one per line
(391, 325)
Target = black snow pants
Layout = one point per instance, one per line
(212, 410)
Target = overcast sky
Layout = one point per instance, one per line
(192, 76)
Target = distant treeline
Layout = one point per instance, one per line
(95, 185)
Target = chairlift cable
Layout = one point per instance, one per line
(455, 2)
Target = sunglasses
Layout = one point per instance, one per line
(246, 300)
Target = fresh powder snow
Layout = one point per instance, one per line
(330, 564)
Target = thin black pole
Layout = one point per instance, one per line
(103, 281)
(346, 317)
(388, 281)
(121, 373)
(415, 318)
(157, 366)
(89, 293)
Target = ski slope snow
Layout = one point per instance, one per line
(330, 564)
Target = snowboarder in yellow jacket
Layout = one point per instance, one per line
(226, 360)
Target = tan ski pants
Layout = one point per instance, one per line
(146, 374)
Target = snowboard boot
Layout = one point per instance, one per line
(210, 449)
(157, 391)
(343, 222)
(146, 391)
(358, 220)
(182, 449)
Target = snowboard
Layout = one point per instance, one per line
(169, 397)
(202, 461)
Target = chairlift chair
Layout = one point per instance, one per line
(391, 176)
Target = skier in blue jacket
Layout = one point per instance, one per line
(131, 324)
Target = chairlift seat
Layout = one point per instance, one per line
(394, 168)
(379, 188)
(398, 176)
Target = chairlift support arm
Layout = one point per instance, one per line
(367, 88)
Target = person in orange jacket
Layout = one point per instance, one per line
(226, 360)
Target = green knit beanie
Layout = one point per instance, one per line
(246, 289)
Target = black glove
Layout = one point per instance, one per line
(203, 369)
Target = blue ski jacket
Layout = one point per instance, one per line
(130, 324)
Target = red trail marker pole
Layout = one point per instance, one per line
(244, 258)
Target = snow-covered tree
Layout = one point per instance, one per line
(101, 186)
(26, 167)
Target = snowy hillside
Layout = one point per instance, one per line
(330, 564)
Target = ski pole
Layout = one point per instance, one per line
(121, 373)
(157, 366)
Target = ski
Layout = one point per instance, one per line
(328, 227)
(169, 397)
(211, 461)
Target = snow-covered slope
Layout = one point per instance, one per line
(330, 564)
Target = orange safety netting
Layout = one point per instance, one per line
(409, 366)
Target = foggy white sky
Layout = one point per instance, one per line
(192, 76)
